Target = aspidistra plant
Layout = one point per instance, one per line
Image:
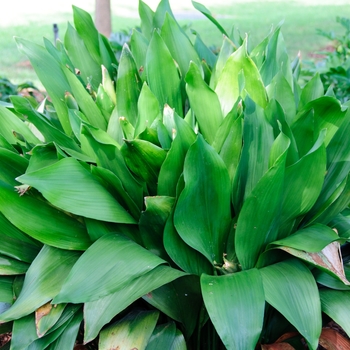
(173, 199)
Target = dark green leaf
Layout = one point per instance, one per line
(235, 308)
(113, 260)
(291, 289)
(62, 232)
(202, 215)
(69, 186)
(101, 311)
(252, 236)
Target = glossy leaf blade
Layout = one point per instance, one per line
(100, 312)
(110, 262)
(202, 215)
(252, 236)
(42, 282)
(69, 186)
(62, 232)
(335, 304)
(236, 309)
(291, 289)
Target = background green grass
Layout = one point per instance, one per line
(33, 20)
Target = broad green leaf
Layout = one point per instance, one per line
(204, 103)
(163, 77)
(12, 165)
(51, 76)
(201, 8)
(186, 257)
(311, 91)
(180, 300)
(144, 159)
(253, 164)
(100, 312)
(303, 184)
(89, 69)
(291, 289)
(23, 333)
(311, 239)
(85, 101)
(47, 316)
(335, 304)
(10, 266)
(128, 86)
(228, 89)
(68, 337)
(172, 167)
(131, 332)
(202, 215)
(252, 236)
(110, 262)
(86, 29)
(152, 222)
(63, 231)
(42, 282)
(179, 45)
(235, 308)
(146, 16)
(9, 123)
(65, 185)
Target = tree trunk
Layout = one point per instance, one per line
(103, 17)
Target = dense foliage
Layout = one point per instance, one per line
(173, 199)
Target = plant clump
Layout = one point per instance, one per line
(174, 198)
